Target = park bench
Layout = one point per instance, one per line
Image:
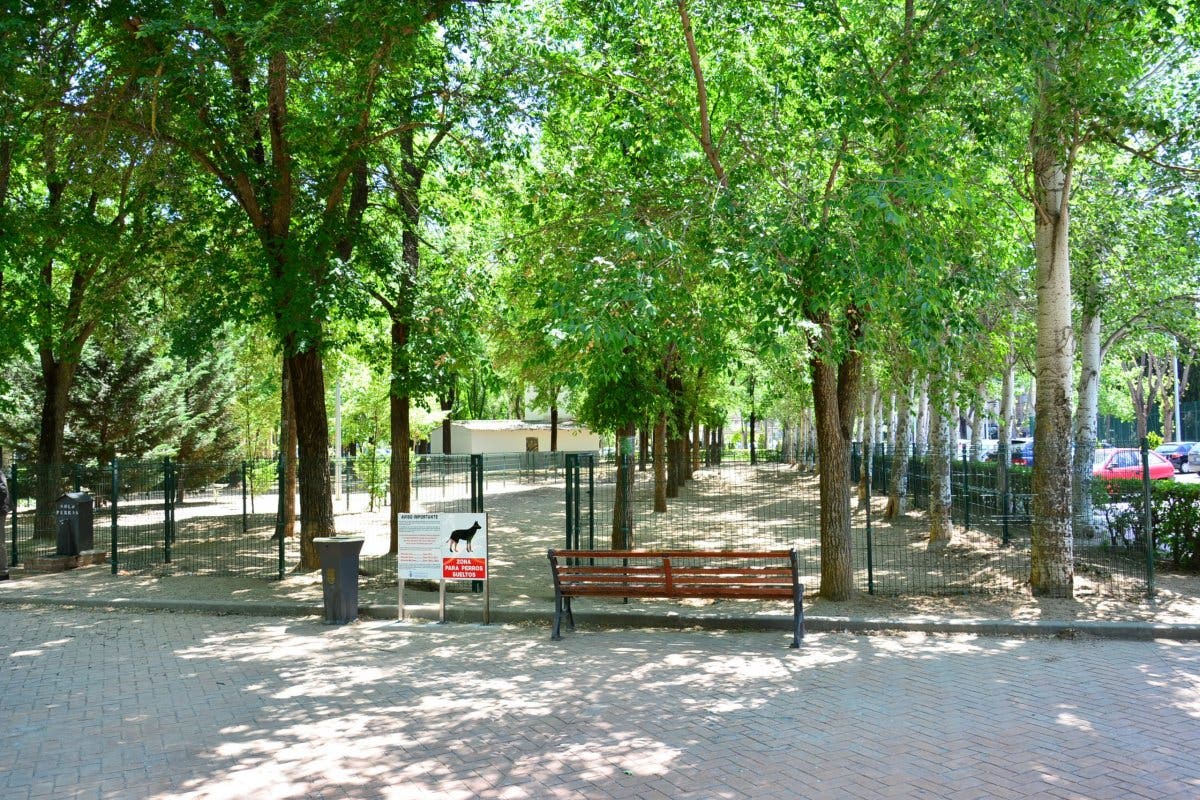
(707, 574)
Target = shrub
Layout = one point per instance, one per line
(1174, 513)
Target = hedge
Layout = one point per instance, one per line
(1174, 513)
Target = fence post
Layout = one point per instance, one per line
(966, 490)
(116, 486)
(279, 510)
(572, 466)
(870, 539)
(477, 500)
(627, 500)
(1147, 518)
(12, 495)
(1005, 498)
(245, 520)
(591, 459)
(168, 497)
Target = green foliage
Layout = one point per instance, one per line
(1175, 515)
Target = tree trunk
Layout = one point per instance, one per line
(57, 377)
(868, 443)
(554, 427)
(1052, 566)
(312, 436)
(400, 466)
(622, 522)
(978, 423)
(1004, 432)
(287, 449)
(695, 447)
(1088, 395)
(941, 453)
(660, 463)
(835, 389)
(921, 433)
(446, 403)
(897, 502)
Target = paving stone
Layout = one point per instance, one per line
(137, 704)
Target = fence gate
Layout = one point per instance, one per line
(581, 514)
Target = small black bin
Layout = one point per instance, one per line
(76, 530)
(338, 556)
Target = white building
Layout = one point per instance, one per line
(513, 436)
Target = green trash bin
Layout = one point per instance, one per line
(338, 556)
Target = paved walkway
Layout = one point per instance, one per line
(137, 704)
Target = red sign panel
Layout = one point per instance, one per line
(474, 569)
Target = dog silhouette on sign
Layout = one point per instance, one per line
(463, 535)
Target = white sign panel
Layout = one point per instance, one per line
(442, 546)
(418, 554)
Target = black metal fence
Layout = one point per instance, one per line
(223, 518)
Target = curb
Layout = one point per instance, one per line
(1124, 630)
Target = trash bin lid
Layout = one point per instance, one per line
(75, 497)
(336, 539)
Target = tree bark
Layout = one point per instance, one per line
(57, 377)
(554, 427)
(660, 463)
(1052, 568)
(921, 433)
(446, 403)
(897, 502)
(868, 443)
(622, 521)
(941, 453)
(1087, 399)
(1005, 425)
(287, 450)
(312, 436)
(835, 390)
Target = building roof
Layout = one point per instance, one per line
(512, 425)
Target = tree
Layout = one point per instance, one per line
(1086, 62)
(277, 104)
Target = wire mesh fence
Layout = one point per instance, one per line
(223, 518)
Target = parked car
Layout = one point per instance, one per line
(1193, 460)
(1126, 462)
(1175, 452)
(1020, 452)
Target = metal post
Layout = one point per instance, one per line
(12, 494)
(245, 519)
(168, 492)
(870, 539)
(477, 502)
(591, 459)
(116, 485)
(966, 490)
(572, 465)
(1004, 499)
(279, 512)
(627, 499)
(1147, 518)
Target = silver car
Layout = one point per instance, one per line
(1193, 460)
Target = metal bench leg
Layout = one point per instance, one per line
(570, 616)
(797, 615)
(555, 635)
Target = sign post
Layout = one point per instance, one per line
(443, 547)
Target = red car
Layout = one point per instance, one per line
(1127, 463)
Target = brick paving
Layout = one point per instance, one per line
(127, 704)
